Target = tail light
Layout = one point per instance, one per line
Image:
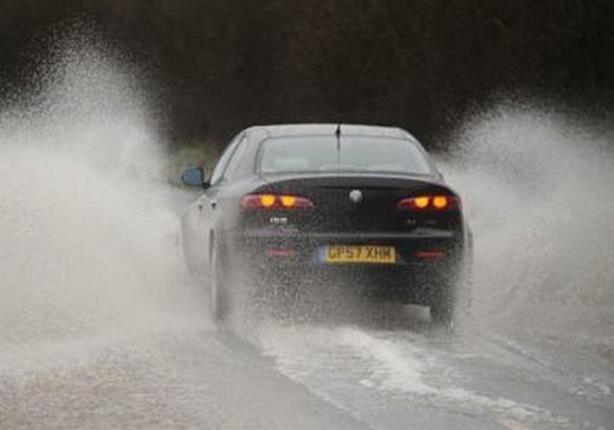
(429, 203)
(275, 201)
(430, 254)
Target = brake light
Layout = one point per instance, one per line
(267, 200)
(440, 202)
(426, 203)
(280, 252)
(287, 201)
(432, 254)
(275, 201)
(420, 202)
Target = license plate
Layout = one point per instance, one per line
(340, 254)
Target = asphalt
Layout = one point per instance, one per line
(176, 369)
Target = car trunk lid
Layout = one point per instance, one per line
(353, 202)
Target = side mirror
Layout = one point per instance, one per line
(193, 177)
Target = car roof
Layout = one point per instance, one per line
(281, 130)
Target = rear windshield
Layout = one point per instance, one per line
(355, 153)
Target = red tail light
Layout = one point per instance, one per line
(429, 203)
(275, 201)
(432, 254)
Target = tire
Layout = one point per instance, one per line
(219, 297)
(187, 251)
(443, 303)
(442, 312)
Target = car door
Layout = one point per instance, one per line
(206, 206)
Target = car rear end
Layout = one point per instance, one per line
(390, 235)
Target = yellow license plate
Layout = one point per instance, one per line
(338, 254)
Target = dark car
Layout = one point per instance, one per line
(317, 199)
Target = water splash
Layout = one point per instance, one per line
(538, 186)
(88, 227)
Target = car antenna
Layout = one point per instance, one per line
(338, 136)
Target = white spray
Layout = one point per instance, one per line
(538, 187)
(88, 235)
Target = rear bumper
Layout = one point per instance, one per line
(423, 247)
(298, 259)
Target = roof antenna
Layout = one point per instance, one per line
(338, 136)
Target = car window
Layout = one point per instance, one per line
(354, 153)
(235, 160)
(218, 172)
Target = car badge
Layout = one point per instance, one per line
(278, 220)
(356, 196)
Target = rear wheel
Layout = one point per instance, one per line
(443, 300)
(219, 297)
(442, 310)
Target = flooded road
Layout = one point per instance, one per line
(182, 372)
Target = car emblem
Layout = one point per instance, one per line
(356, 196)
